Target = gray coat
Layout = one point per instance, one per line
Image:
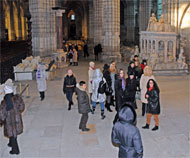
(83, 101)
(126, 135)
(41, 78)
(97, 77)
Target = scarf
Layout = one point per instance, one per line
(150, 88)
(8, 101)
(92, 68)
(123, 83)
(38, 73)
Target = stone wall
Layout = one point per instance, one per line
(43, 27)
(2, 23)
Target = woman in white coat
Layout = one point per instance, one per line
(41, 80)
(90, 78)
(97, 97)
(148, 74)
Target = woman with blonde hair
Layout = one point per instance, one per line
(148, 74)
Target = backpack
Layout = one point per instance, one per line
(102, 87)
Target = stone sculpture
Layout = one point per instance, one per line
(152, 23)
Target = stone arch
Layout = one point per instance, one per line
(183, 15)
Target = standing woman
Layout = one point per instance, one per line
(75, 57)
(148, 74)
(98, 97)
(113, 73)
(90, 78)
(153, 107)
(10, 116)
(41, 80)
(69, 87)
(106, 75)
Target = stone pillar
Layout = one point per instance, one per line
(65, 24)
(111, 30)
(130, 21)
(59, 28)
(43, 27)
(2, 23)
(98, 20)
(11, 29)
(165, 51)
(144, 14)
(91, 23)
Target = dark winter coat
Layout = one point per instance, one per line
(119, 94)
(153, 106)
(131, 71)
(126, 135)
(83, 101)
(12, 120)
(130, 90)
(69, 84)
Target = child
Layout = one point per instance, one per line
(153, 107)
(126, 135)
(83, 105)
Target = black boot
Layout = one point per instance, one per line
(15, 148)
(85, 129)
(143, 109)
(155, 128)
(93, 109)
(108, 108)
(69, 108)
(102, 115)
(146, 126)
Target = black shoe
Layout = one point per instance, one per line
(69, 108)
(72, 103)
(14, 152)
(109, 109)
(103, 117)
(155, 128)
(146, 126)
(93, 109)
(85, 129)
(9, 145)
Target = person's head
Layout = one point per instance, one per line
(69, 72)
(121, 73)
(144, 62)
(131, 75)
(127, 114)
(152, 84)
(136, 63)
(92, 64)
(136, 57)
(106, 67)
(8, 88)
(148, 71)
(132, 64)
(82, 84)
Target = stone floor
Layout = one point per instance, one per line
(50, 130)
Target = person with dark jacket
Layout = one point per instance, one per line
(120, 86)
(153, 107)
(83, 105)
(10, 116)
(69, 87)
(130, 91)
(96, 52)
(85, 50)
(106, 75)
(131, 68)
(126, 135)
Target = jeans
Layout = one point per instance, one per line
(101, 105)
(69, 96)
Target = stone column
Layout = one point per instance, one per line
(59, 28)
(12, 28)
(43, 27)
(144, 14)
(2, 23)
(111, 30)
(91, 23)
(166, 51)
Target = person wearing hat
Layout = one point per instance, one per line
(126, 135)
(131, 68)
(10, 116)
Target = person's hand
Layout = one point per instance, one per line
(147, 95)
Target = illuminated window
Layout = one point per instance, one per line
(72, 17)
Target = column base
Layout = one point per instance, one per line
(111, 56)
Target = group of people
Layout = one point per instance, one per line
(109, 87)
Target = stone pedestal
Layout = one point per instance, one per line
(43, 27)
(111, 31)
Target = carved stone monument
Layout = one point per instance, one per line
(158, 46)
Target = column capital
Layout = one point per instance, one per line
(59, 12)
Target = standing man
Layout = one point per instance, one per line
(69, 87)
(85, 49)
(83, 105)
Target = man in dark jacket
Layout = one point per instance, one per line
(83, 105)
(69, 86)
(126, 135)
(85, 49)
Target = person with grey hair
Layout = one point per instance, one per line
(10, 116)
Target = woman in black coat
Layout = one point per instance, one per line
(106, 75)
(126, 135)
(131, 68)
(130, 91)
(153, 107)
(69, 87)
